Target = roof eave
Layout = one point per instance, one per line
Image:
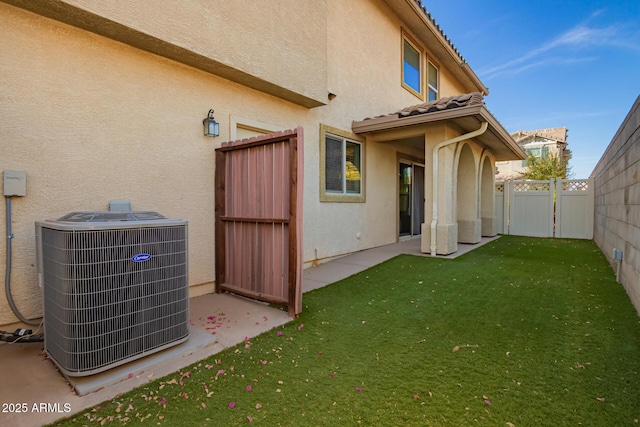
(474, 78)
(504, 137)
(394, 121)
(496, 137)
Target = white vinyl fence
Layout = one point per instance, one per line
(553, 208)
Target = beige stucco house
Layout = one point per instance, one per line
(104, 101)
(539, 143)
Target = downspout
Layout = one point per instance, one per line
(434, 181)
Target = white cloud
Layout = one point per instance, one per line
(579, 38)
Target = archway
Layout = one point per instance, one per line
(487, 202)
(467, 200)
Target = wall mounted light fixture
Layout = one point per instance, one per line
(211, 127)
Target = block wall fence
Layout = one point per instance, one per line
(617, 203)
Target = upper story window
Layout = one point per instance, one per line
(341, 166)
(411, 67)
(419, 75)
(432, 82)
(537, 152)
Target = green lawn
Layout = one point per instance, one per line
(520, 332)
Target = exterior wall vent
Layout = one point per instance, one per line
(115, 287)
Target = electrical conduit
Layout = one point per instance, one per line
(7, 275)
(434, 181)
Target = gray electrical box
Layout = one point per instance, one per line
(119, 206)
(616, 254)
(15, 183)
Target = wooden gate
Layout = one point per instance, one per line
(258, 218)
(553, 208)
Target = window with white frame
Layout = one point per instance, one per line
(411, 67)
(342, 166)
(432, 82)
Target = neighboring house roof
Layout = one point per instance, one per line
(467, 111)
(554, 137)
(556, 134)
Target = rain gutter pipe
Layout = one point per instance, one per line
(434, 195)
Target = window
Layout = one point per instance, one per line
(432, 82)
(537, 152)
(411, 67)
(341, 168)
(540, 152)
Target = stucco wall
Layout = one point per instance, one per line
(617, 202)
(365, 75)
(91, 120)
(221, 37)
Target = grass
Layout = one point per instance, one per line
(519, 332)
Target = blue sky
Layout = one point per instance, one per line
(552, 63)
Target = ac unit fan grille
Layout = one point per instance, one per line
(102, 308)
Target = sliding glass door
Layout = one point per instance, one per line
(411, 198)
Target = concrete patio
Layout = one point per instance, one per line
(31, 378)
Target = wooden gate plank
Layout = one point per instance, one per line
(220, 208)
(293, 231)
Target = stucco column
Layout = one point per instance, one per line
(447, 225)
(470, 230)
(467, 196)
(489, 228)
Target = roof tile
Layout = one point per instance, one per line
(447, 103)
(437, 26)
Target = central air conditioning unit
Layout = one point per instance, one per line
(115, 287)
